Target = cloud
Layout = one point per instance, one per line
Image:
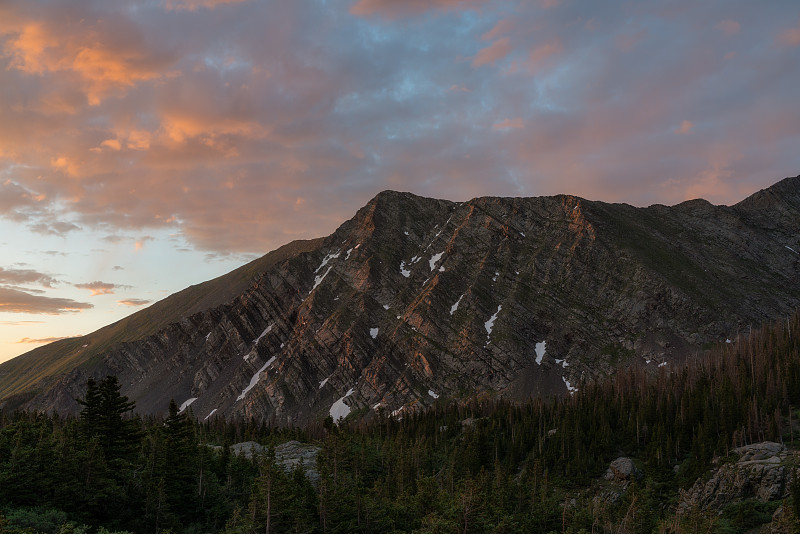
(790, 36)
(133, 302)
(42, 341)
(393, 8)
(20, 323)
(57, 228)
(509, 124)
(541, 56)
(26, 276)
(685, 127)
(210, 121)
(492, 53)
(194, 5)
(17, 301)
(100, 288)
(728, 27)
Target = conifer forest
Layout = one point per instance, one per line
(482, 465)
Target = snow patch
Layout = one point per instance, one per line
(326, 259)
(454, 307)
(662, 364)
(571, 389)
(405, 272)
(254, 380)
(433, 394)
(540, 348)
(793, 250)
(319, 278)
(490, 323)
(406, 232)
(377, 406)
(522, 234)
(385, 306)
(727, 340)
(323, 382)
(494, 279)
(373, 333)
(208, 336)
(266, 331)
(347, 256)
(210, 414)
(435, 259)
(186, 404)
(562, 363)
(340, 410)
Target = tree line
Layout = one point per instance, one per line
(484, 465)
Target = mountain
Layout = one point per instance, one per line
(416, 298)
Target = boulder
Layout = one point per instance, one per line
(622, 470)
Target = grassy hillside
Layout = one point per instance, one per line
(62, 356)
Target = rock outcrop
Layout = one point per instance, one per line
(288, 455)
(622, 470)
(761, 471)
(415, 298)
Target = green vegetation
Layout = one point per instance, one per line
(486, 466)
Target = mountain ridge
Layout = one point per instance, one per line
(414, 298)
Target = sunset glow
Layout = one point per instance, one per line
(150, 145)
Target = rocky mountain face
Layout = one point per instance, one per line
(415, 298)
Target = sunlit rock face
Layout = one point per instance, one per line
(415, 299)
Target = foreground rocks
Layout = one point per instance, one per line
(761, 471)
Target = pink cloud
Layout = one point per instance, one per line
(194, 5)
(396, 8)
(43, 340)
(504, 27)
(790, 36)
(18, 301)
(728, 27)
(492, 53)
(543, 55)
(509, 124)
(685, 127)
(133, 302)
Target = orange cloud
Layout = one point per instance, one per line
(685, 127)
(492, 53)
(98, 288)
(43, 340)
(101, 59)
(139, 140)
(133, 302)
(112, 144)
(509, 124)
(790, 36)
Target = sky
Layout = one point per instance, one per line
(149, 145)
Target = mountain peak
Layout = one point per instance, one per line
(416, 298)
